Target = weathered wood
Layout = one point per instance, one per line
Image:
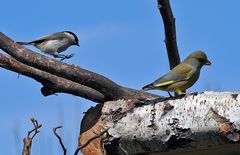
(194, 122)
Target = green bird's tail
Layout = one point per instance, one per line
(148, 87)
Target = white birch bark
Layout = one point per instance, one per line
(193, 122)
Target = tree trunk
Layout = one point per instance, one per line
(193, 123)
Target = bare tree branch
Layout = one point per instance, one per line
(170, 32)
(71, 72)
(53, 82)
(60, 139)
(28, 140)
(36, 127)
(108, 88)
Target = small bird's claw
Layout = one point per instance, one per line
(67, 57)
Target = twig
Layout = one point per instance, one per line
(91, 139)
(60, 139)
(125, 151)
(170, 32)
(28, 140)
(36, 127)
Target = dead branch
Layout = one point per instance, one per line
(36, 127)
(108, 88)
(170, 32)
(50, 81)
(60, 139)
(28, 140)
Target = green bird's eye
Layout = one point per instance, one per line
(202, 60)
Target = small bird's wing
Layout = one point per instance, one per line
(181, 72)
(54, 36)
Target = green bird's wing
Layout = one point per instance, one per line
(181, 72)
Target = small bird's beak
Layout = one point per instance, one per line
(208, 62)
(77, 44)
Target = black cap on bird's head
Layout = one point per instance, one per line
(200, 56)
(76, 41)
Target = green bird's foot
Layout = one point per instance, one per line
(177, 94)
(170, 95)
(181, 95)
(190, 94)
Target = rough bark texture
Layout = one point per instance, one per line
(27, 146)
(194, 123)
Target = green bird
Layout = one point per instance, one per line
(183, 76)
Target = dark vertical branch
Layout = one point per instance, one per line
(170, 32)
(60, 139)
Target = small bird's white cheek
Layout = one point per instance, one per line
(70, 35)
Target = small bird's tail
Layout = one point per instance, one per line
(147, 87)
(24, 43)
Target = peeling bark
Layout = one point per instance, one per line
(195, 122)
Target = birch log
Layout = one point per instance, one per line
(194, 123)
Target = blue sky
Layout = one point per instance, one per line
(122, 40)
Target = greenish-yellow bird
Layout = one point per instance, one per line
(183, 76)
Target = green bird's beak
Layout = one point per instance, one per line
(207, 62)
